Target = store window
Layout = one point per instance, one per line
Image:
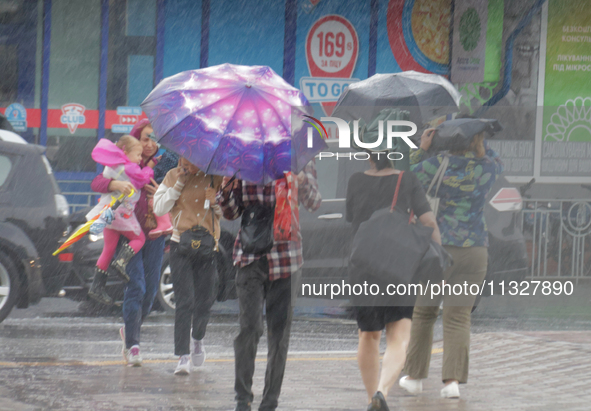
(8, 74)
(20, 65)
(140, 78)
(132, 51)
(73, 84)
(141, 18)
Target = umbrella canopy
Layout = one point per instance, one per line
(425, 96)
(231, 119)
(457, 134)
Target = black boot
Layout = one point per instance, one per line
(242, 406)
(378, 403)
(97, 290)
(120, 262)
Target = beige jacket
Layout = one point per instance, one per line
(185, 202)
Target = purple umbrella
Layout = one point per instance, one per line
(231, 119)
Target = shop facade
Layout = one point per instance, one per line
(76, 71)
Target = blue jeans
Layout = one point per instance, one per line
(144, 279)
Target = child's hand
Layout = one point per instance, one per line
(124, 187)
(210, 195)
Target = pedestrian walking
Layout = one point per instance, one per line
(368, 192)
(121, 163)
(188, 194)
(471, 172)
(144, 267)
(265, 278)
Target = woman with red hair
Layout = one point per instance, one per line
(143, 268)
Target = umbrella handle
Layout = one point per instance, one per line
(119, 200)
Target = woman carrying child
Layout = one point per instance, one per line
(144, 268)
(121, 161)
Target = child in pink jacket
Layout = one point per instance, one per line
(121, 161)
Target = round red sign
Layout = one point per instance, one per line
(332, 47)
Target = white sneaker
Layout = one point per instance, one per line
(451, 390)
(134, 359)
(412, 386)
(197, 352)
(184, 365)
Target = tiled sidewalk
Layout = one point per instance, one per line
(545, 371)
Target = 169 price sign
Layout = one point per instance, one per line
(332, 47)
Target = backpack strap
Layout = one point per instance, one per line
(438, 177)
(395, 199)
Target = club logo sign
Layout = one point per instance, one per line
(332, 47)
(73, 116)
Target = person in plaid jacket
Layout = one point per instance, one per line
(265, 278)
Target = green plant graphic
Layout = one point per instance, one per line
(470, 28)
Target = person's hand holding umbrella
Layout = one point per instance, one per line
(427, 139)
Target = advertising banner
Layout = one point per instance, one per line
(16, 114)
(469, 41)
(331, 51)
(566, 136)
(332, 47)
(416, 36)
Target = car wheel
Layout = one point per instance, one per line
(165, 293)
(9, 286)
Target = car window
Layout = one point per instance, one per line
(327, 170)
(334, 174)
(5, 167)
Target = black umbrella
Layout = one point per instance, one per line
(457, 134)
(425, 96)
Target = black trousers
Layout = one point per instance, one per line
(254, 288)
(193, 282)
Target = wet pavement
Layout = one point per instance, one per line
(525, 355)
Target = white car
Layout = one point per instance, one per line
(11, 137)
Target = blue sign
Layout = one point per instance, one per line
(318, 89)
(120, 128)
(16, 114)
(129, 111)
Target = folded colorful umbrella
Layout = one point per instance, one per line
(84, 229)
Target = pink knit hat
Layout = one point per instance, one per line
(136, 131)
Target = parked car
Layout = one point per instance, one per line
(33, 218)
(327, 236)
(11, 137)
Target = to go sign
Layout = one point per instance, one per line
(317, 89)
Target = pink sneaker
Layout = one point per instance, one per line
(163, 227)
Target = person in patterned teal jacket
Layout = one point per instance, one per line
(466, 183)
(468, 179)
